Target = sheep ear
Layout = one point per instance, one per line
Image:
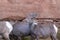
(34, 25)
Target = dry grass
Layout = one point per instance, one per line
(58, 36)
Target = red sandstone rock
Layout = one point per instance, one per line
(44, 8)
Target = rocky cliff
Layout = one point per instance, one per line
(20, 8)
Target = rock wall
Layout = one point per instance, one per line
(44, 8)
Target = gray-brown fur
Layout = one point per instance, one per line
(23, 28)
(4, 30)
(44, 30)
